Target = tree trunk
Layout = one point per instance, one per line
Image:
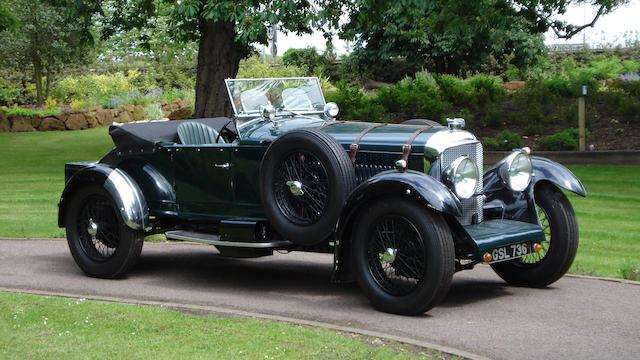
(37, 78)
(218, 59)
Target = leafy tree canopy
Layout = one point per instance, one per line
(41, 39)
(455, 36)
(223, 29)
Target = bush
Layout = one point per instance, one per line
(18, 111)
(453, 89)
(505, 141)
(564, 140)
(253, 67)
(153, 111)
(487, 88)
(307, 58)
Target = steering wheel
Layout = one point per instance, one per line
(229, 134)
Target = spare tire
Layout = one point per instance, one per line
(305, 179)
(426, 122)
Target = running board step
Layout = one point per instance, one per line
(211, 239)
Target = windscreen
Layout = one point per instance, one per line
(248, 96)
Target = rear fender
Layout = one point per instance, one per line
(409, 184)
(122, 188)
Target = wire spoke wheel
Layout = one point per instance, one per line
(535, 258)
(301, 187)
(98, 229)
(395, 255)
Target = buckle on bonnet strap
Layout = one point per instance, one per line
(353, 148)
(406, 148)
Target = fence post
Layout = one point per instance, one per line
(581, 120)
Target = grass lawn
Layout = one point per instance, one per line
(33, 177)
(40, 327)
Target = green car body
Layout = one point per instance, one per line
(164, 186)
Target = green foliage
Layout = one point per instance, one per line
(485, 36)
(487, 88)
(564, 140)
(153, 111)
(8, 93)
(307, 58)
(108, 90)
(253, 67)
(42, 41)
(504, 141)
(28, 112)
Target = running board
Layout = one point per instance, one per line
(211, 239)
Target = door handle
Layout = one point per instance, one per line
(224, 166)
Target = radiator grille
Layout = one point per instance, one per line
(473, 205)
(370, 164)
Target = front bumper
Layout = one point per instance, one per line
(491, 234)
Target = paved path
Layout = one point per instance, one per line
(576, 318)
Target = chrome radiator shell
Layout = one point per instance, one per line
(472, 207)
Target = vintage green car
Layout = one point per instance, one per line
(401, 206)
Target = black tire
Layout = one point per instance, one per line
(425, 122)
(419, 279)
(559, 248)
(113, 248)
(326, 175)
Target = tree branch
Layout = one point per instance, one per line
(569, 34)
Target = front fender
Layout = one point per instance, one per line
(409, 184)
(543, 170)
(123, 189)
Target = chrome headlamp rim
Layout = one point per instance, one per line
(331, 110)
(513, 167)
(455, 180)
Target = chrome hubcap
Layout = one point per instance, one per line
(295, 187)
(93, 228)
(389, 255)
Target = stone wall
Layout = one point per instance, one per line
(90, 118)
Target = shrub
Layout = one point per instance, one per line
(307, 58)
(99, 89)
(153, 111)
(505, 140)
(487, 88)
(564, 140)
(18, 111)
(253, 67)
(453, 89)
(349, 98)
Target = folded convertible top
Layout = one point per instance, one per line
(144, 135)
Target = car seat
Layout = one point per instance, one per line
(195, 133)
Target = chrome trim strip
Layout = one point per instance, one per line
(182, 235)
(129, 199)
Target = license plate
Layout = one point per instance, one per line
(510, 252)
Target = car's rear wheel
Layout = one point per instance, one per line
(99, 241)
(404, 256)
(559, 248)
(305, 179)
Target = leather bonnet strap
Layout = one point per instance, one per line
(353, 149)
(406, 148)
(331, 123)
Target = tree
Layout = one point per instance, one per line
(455, 36)
(224, 30)
(40, 40)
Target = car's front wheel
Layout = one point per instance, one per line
(403, 255)
(558, 249)
(99, 241)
